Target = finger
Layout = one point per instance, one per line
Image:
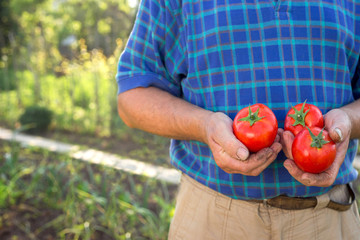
(222, 158)
(276, 147)
(336, 134)
(279, 135)
(257, 162)
(230, 164)
(225, 161)
(294, 170)
(339, 135)
(277, 138)
(232, 146)
(287, 140)
(305, 178)
(338, 125)
(323, 179)
(222, 134)
(253, 166)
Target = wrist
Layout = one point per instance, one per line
(215, 124)
(206, 123)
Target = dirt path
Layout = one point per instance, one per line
(94, 156)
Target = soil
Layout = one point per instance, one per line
(20, 217)
(24, 222)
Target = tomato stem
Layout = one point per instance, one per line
(252, 118)
(299, 116)
(317, 141)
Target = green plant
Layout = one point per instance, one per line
(8, 81)
(44, 194)
(36, 119)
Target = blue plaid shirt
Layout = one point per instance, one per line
(224, 55)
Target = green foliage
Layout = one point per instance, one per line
(36, 30)
(7, 81)
(75, 81)
(74, 78)
(36, 119)
(7, 25)
(86, 201)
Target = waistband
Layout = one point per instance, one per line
(296, 203)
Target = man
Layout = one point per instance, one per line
(190, 66)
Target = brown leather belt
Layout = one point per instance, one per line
(298, 203)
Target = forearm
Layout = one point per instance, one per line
(158, 112)
(353, 111)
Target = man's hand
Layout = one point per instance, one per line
(230, 154)
(338, 124)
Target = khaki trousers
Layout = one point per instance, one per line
(202, 213)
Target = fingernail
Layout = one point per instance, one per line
(339, 133)
(242, 153)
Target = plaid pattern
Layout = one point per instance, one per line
(223, 55)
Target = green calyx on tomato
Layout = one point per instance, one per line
(252, 118)
(317, 141)
(299, 116)
(256, 127)
(307, 153)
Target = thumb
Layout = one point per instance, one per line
(233, 147)
(242, 153)
(336, 135)
(338, 125)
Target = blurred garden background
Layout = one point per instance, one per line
(57, 70)
(58, 62)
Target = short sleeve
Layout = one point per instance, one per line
(356, 82)
(154, 54)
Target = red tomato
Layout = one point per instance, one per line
(256, 127)
(303, 114)
(313, 150)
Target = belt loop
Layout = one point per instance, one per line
(223, 201)
(322, 201)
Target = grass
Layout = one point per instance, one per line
(51, 196)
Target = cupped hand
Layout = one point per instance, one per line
(230, 154)
(338, 124)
